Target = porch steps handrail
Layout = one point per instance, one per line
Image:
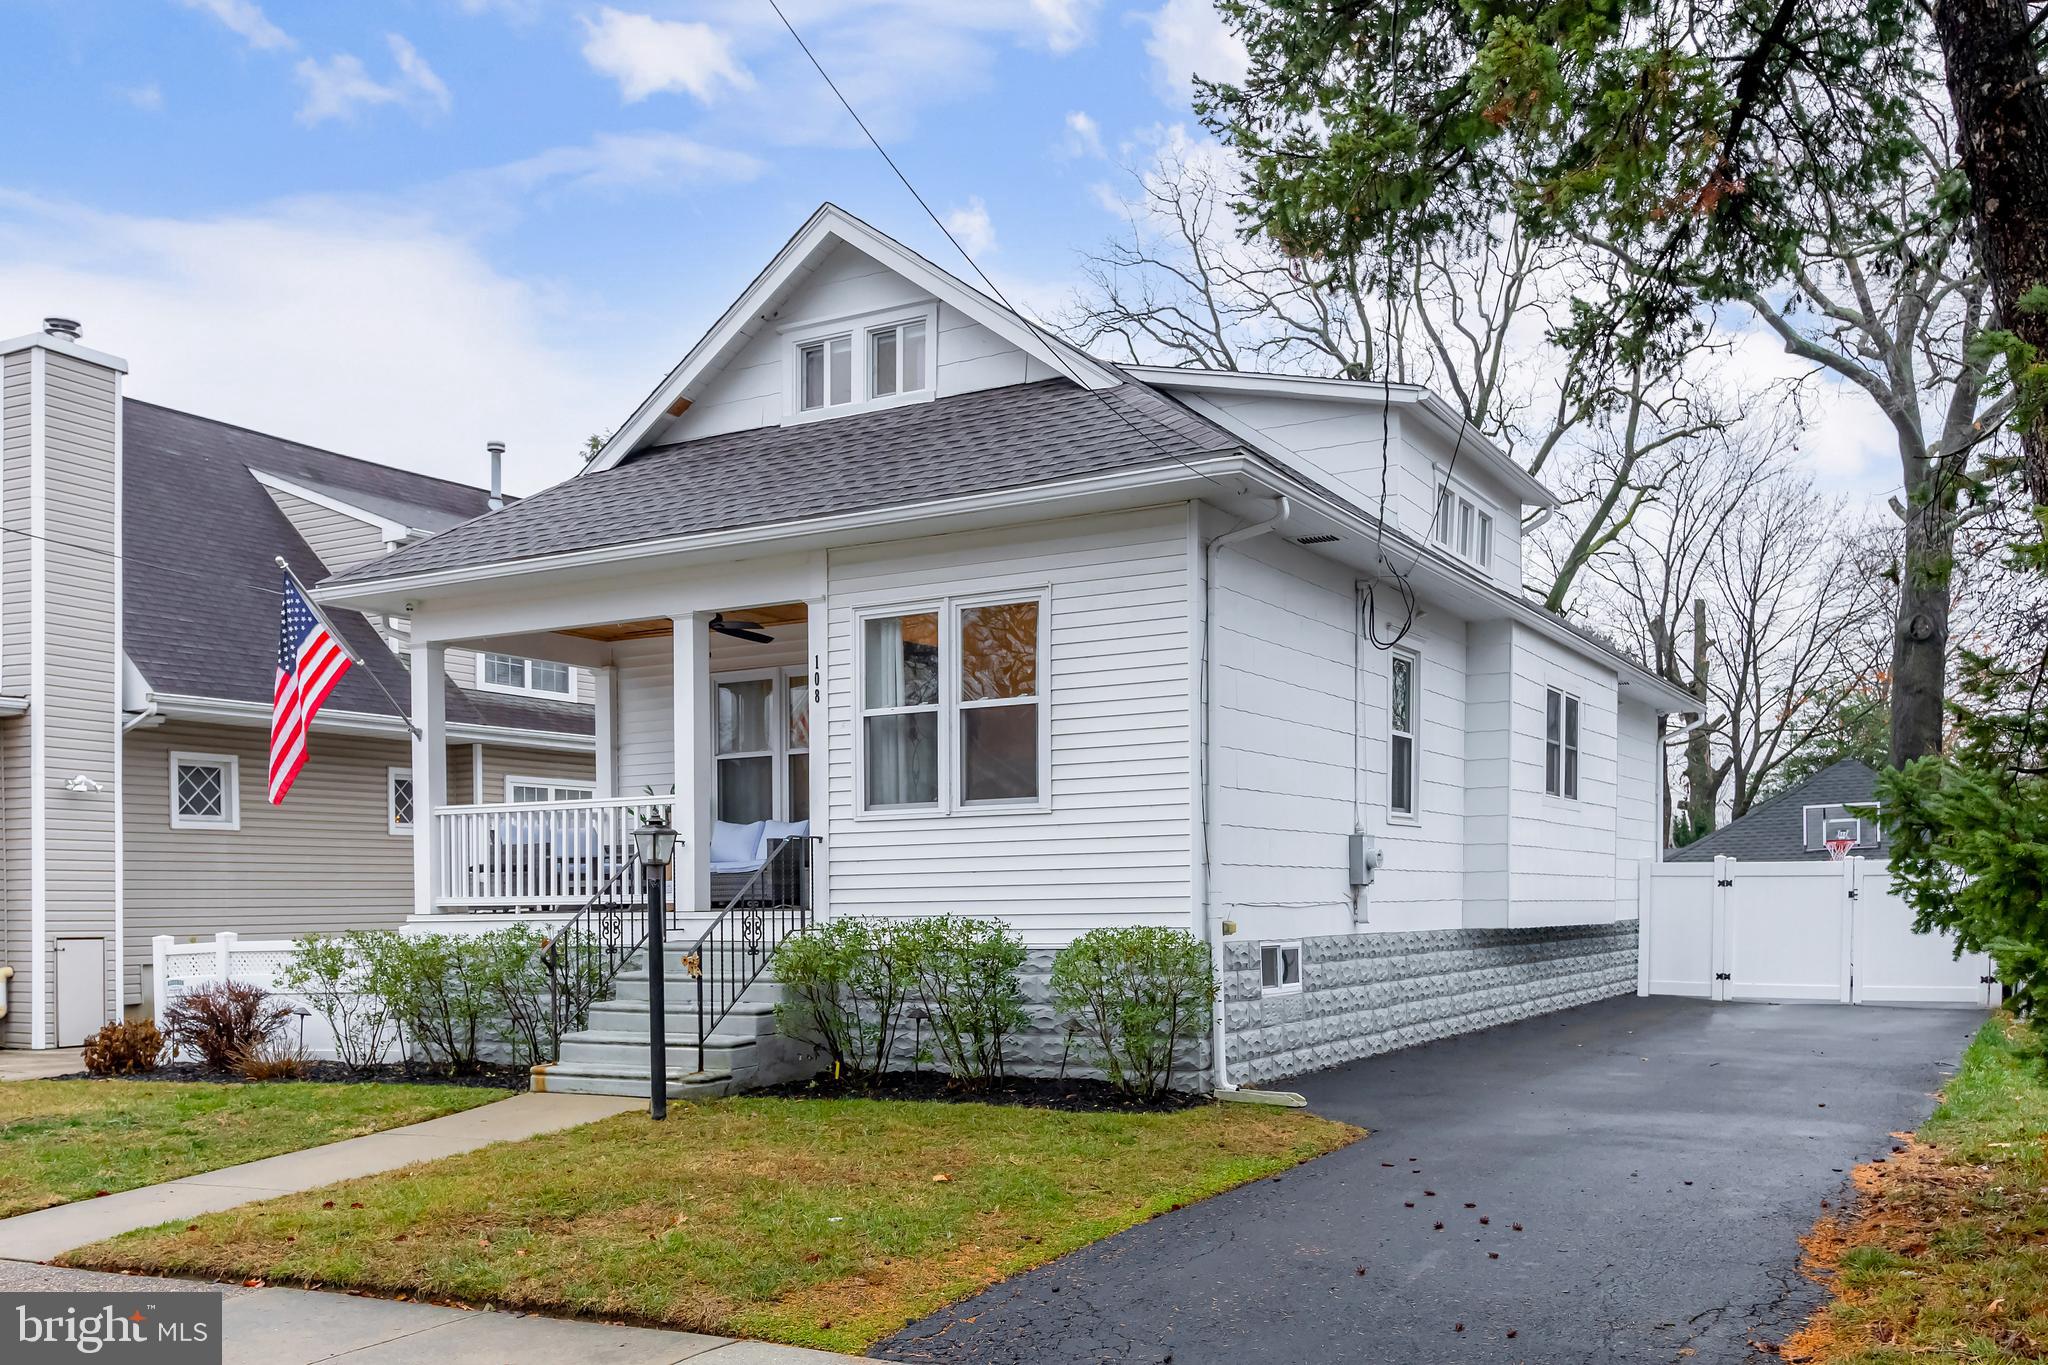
(586, 954)
(734, 949)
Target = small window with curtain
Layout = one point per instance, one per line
(900, 710)
(999, 702)
(1402, 677)
(746, 750)
(797, 743)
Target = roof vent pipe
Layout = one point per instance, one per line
(67, 328)
(497, 451)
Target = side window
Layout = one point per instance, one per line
(1561, 744)
(1279, 968)
(399, 800)
(899, 701)
(1403, 672)
(999, 702)
(205, 791)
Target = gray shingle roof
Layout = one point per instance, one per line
(1775, 830)
(978, 442)
(200, 589)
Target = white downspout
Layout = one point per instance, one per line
(1209, 925)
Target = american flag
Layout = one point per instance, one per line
(310, 661)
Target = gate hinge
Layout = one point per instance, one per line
(1854, 893)
(1729, 882)
(1987, 981)
(1724, 976)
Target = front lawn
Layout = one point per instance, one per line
(1944, 1257)
(66, 1140)
(818, 1222)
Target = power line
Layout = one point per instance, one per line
(1057, 347)
(213, 581)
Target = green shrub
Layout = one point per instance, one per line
(333, 975)
(435, 988)
(845, 985)
(516, 980)
(1138, 994)
(121, 1049)
(967, 975)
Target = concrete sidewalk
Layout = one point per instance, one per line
(22, 1064)
(301, 1327)
(39, 1236)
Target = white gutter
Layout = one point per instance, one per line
(1209, 924)
(148, 715)
(223, 711)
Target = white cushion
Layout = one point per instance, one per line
(773, 831)
(736, 848)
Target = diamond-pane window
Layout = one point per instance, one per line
(401, 800)
(203, 791)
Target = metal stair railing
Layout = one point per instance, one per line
(736, 947)
(585, 955)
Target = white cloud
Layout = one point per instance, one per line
(1068, 23)
(648, 56)
(622, 160)
(1188, 38)
(377, 333)
(246, 19)
(971, 228)
(148, 97)
(341, 86)
(1084, 135)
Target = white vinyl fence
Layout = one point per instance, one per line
(178, 968)
(1823, 931)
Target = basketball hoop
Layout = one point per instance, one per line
(1838, 848)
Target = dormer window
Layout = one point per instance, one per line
(846, 365)
(1463, 527)
(827, 372)
(896, 359)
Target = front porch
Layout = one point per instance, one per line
(702, 719)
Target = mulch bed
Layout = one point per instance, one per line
(493, 1076)
(1077, 1094)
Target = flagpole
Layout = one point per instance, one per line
(342, 645)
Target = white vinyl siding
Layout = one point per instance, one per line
(1112, 845)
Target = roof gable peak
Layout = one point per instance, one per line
(754, 311)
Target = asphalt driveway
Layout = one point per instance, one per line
(1661, 1158)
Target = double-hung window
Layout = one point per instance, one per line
(764, 743)
(1561, 744)
(1404, 673)
(847, 365)
(953, 706)
(896, 359)
(205, 791)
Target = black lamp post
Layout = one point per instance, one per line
(655, 842)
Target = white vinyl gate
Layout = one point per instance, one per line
(1733, 930)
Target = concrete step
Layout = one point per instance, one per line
(566, 1078)
(625, 1052)
(750, 1018)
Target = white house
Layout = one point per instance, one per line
(1022, 633)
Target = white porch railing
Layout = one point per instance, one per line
(536, 855)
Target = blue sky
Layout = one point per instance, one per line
(399, 228)
(402, 228)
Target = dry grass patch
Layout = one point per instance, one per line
(66, 1140)
(822, 1223)
(1944, 1256)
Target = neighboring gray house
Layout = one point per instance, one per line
(138, 643)
(1794, 825)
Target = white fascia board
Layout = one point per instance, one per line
(826, 228)
(1531, 491)
(1166, 482)
(387, 530)
(64, 346)
(225, 711)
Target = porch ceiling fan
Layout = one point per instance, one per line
(741, 630)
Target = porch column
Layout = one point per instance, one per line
(604, 699)
(429, 768)
(694, 752)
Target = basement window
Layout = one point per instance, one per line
(1279, 968)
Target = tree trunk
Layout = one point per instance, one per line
(1701, 789)
(2001, 113)
(1920, 634)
